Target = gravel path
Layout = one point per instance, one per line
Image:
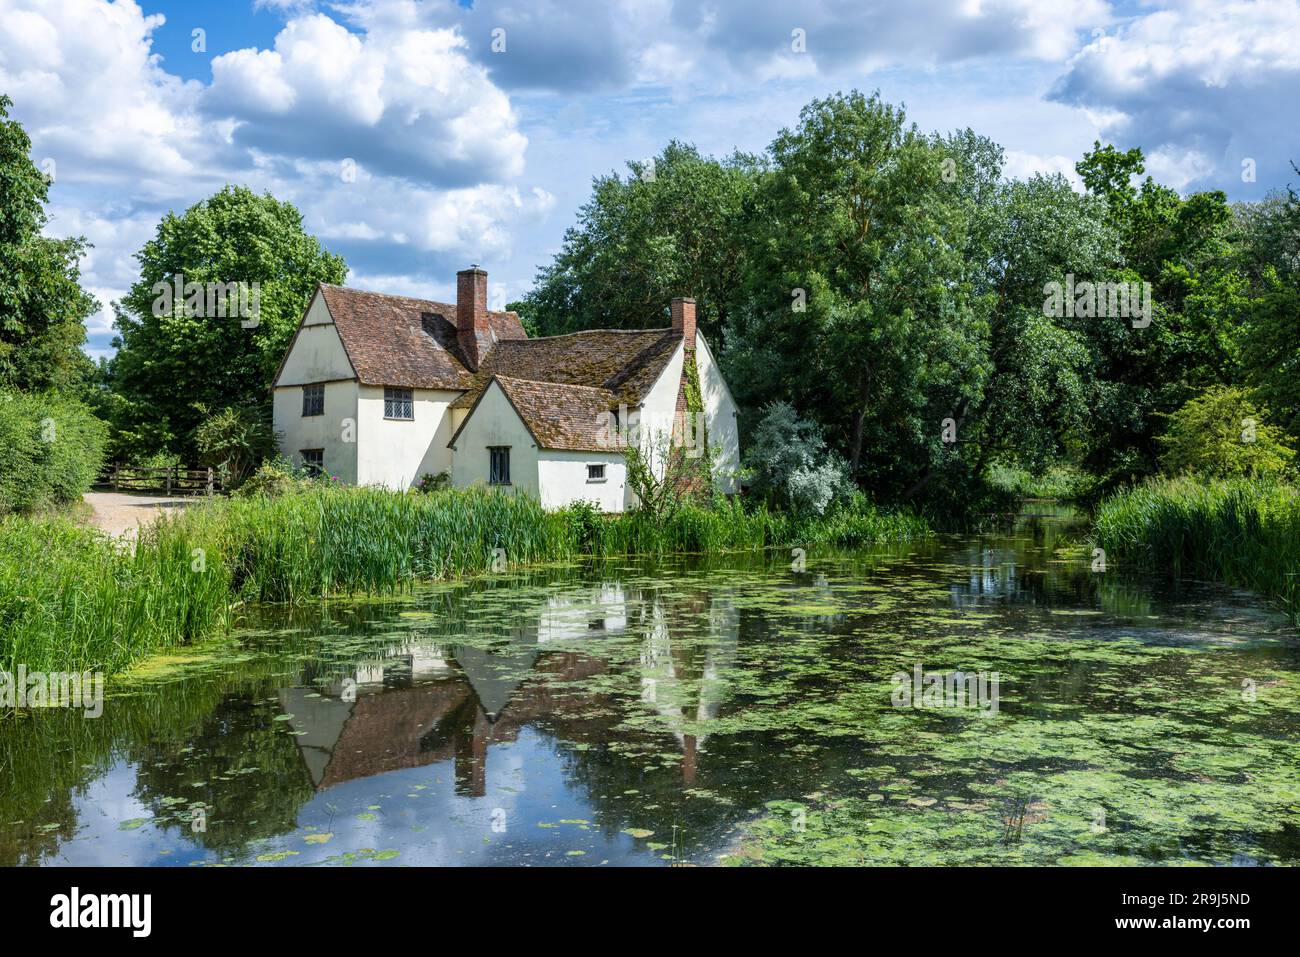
(121, 513)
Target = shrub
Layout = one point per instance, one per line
(234, 440)
(51, 450)
(274, 477)
(788, 465)
(433, 483)
(1222, 434)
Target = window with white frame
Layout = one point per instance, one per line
(596, 473)
(398, 403)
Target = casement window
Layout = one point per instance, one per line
(313, 400)
(313, 460)
(498, 465)
(398, 403)
(595, 473)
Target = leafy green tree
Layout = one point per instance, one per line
(1040, 392)
(858, 305)
(174, 360)
(666, 230)
(43, 308)
(1182, 247)
(1269, 254)
(1222, 434)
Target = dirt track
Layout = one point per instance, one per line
(121, 513)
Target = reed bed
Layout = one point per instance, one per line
(71, 598)
(1243, 533)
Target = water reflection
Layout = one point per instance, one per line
(626, 713)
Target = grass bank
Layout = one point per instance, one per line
(71, 599)
(1240, 532)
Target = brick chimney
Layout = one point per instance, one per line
(684, 320)
(472, 329)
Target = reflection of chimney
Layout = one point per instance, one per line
(684, 320)
(472, 329)
(471, 757)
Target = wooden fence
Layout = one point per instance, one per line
(169, 481)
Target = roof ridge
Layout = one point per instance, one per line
(583, 332)
(396, 295)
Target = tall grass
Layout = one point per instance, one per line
(71, 598)
(1244, 533)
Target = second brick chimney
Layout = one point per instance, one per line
(472, 329)
(684, 320)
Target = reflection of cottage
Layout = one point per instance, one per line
(380, 389)
(431, 702)
(451, 709)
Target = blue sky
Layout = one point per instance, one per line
(414, 148)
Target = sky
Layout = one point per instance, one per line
(419, 136)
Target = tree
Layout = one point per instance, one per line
(1182, 248)
(43, 308)
(858, 307)
(180, 354)
(666, 230)
(1036, 232)
(1269, 254)
(1222, 434)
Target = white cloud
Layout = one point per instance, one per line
(1200, 86)
(1017, 164)
(91, 94)
(404, 102)
(436, 148)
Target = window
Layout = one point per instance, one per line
(498, 465)
(313, 400)
(313, 460)
(398, 403)
(595, 473)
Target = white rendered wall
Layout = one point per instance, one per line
(317, 356)
(397, 452)
(495, 422)
(562, 478)
(720, 416)
(295, 432)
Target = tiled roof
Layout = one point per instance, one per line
(560, 416)
(395, 340)
(625, 362)
(561, 385)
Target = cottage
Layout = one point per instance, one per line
(382, 390)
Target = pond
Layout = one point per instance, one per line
(732, 710)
